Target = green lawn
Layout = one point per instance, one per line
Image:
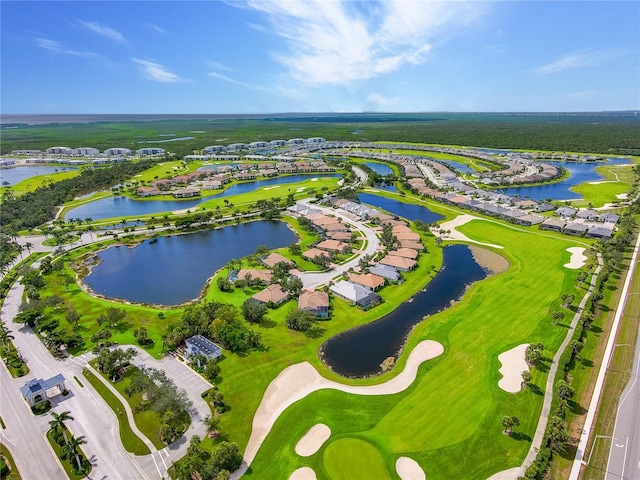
(454, 406)
(8, 459)
(354, 459)
(620, 178)
(130, 440)
(148, 422)
(70, 465)
(31, 183)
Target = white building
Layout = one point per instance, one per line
(86, 151)
(277, 143)
(316, 140)
(214, 148)
(234, 147)
(258, 145)
(150, 151)
(117, 151)
(296, 141)
(59, 151)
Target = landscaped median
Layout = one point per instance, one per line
(130, 441)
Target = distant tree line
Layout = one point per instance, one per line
(37, 207)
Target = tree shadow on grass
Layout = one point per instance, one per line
(535, 389)
(520, 436)
(315, 332)
(576, 408)
(586, 362)
(266, 323)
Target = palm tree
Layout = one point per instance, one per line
(212, 424)
(72, 449)
(5, 335)
(58, 422)
(28, 246)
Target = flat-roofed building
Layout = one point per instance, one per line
(86, 151)
(200, 345)
(116, 151)
(59, 151)
(150, 151)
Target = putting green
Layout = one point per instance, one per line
(354, 459)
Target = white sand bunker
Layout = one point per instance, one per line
(304, 473)
(297, 381)
(578, 258)
(314, 179)
(408, 469)
(622, 196)
(313, 440)
(301, 189)
(513, 364)
(456, 235)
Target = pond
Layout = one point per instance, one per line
(360, 351)
(114, 207)
(173, 270)
(379, 168)
(580, 172)
(406, 210)
(459, 166)
(15, 175)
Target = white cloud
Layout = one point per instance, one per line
(104, 31)
(333, 42)
(156, 72)
(585, 93)
(58, 48)
(379, 99)
(236, 82)
(156, 28)
(582, 58)
(219, 66)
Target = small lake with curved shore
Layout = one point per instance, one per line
(172, 270)
(114, 207)
(579, 172)
(379, 168)
(15, 175)
(406, 210)
(361, 351)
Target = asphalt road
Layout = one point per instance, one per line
(624, 455)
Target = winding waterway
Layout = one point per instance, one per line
(15, 175)
(360, 351)
(115, 207)
(580, 172)
(406, 210)
(172, 270)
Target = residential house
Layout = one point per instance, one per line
(254, 274)
(330, 245)
(577, 229)
(314, 302)
(369, 281)
(400, 263)
(186, 192)
(600, 231)
(556, 224)
(272, 294)
(355, 294)
(273, 258)
(405, 253)
(385, 271)
(313, 253)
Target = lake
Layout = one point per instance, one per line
(115, 207)
(173, 270)
(580, 172)
(379, 168)
(405, 210)
(360, 351)
(15, 175)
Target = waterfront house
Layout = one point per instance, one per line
(405, 253)
(272, 294)
(385, 271)
(314, 302)
(355, 294)
(369, 281)
(273, 258)
(402, 264)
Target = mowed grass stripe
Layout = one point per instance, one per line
(130, 441)
(455, 405)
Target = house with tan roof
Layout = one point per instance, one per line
(340, 236)
(329, 245)
(314, 302)
(407, 236)
(402, 264)
(335, 227)
(368, 280)
(272, 294)
(412, 244)
(273, 258)
(405, 253)
(313, 253)
(254, 274)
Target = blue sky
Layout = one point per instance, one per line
(262, 56)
